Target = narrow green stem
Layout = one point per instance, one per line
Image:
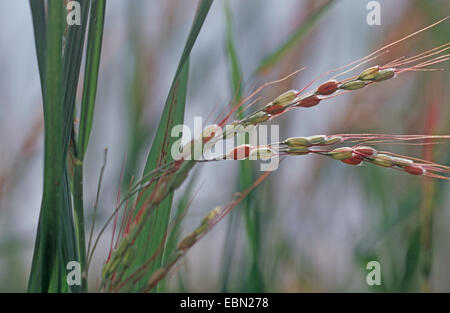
(93, 52)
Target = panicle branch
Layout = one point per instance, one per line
(352, 155)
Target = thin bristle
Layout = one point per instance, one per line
(409, 36)
(420, 56)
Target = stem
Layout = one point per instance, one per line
(93, 51)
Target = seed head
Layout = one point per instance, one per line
(309, 101)
(384, 74)
(353, 85)
(414, 169)
(297, 142)
(316, 140)
(298, 151)
(211, 215)
(106, 270)
(285, 98)
(182, 173)
(367, 152)
(401, 162)
(161, 190)
(206, 222)
(369, 73)
(257, 118)
(261, 154)
(114, 265)
(274, 109)
(187, 242)
(383, 160)
(355, 159)
(341, 153)
(156, 276)
(327, 88)
(332, 140)
(129, 256)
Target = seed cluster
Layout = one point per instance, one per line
(317, 140)
(245, 151)
(359, 154)
(355, 155)
(293, 146)
(291, 98)
(190, 239)
(366, 77)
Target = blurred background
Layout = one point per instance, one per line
(313, 224)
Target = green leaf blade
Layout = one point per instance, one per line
(46, 257)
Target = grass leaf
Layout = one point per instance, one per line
(94, 47)
(154, 231)
(56, 242)
(40, 34)
(47, 254)
(235, 68)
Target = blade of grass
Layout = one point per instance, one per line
(173, 114)
(47, 256)
(94, 47)
(272, 58)
(155, 230)
(38, 14)
(73, 53)
(40, 35)
(70, 73)
(93, 52)
(235, 68)
(161, 142)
